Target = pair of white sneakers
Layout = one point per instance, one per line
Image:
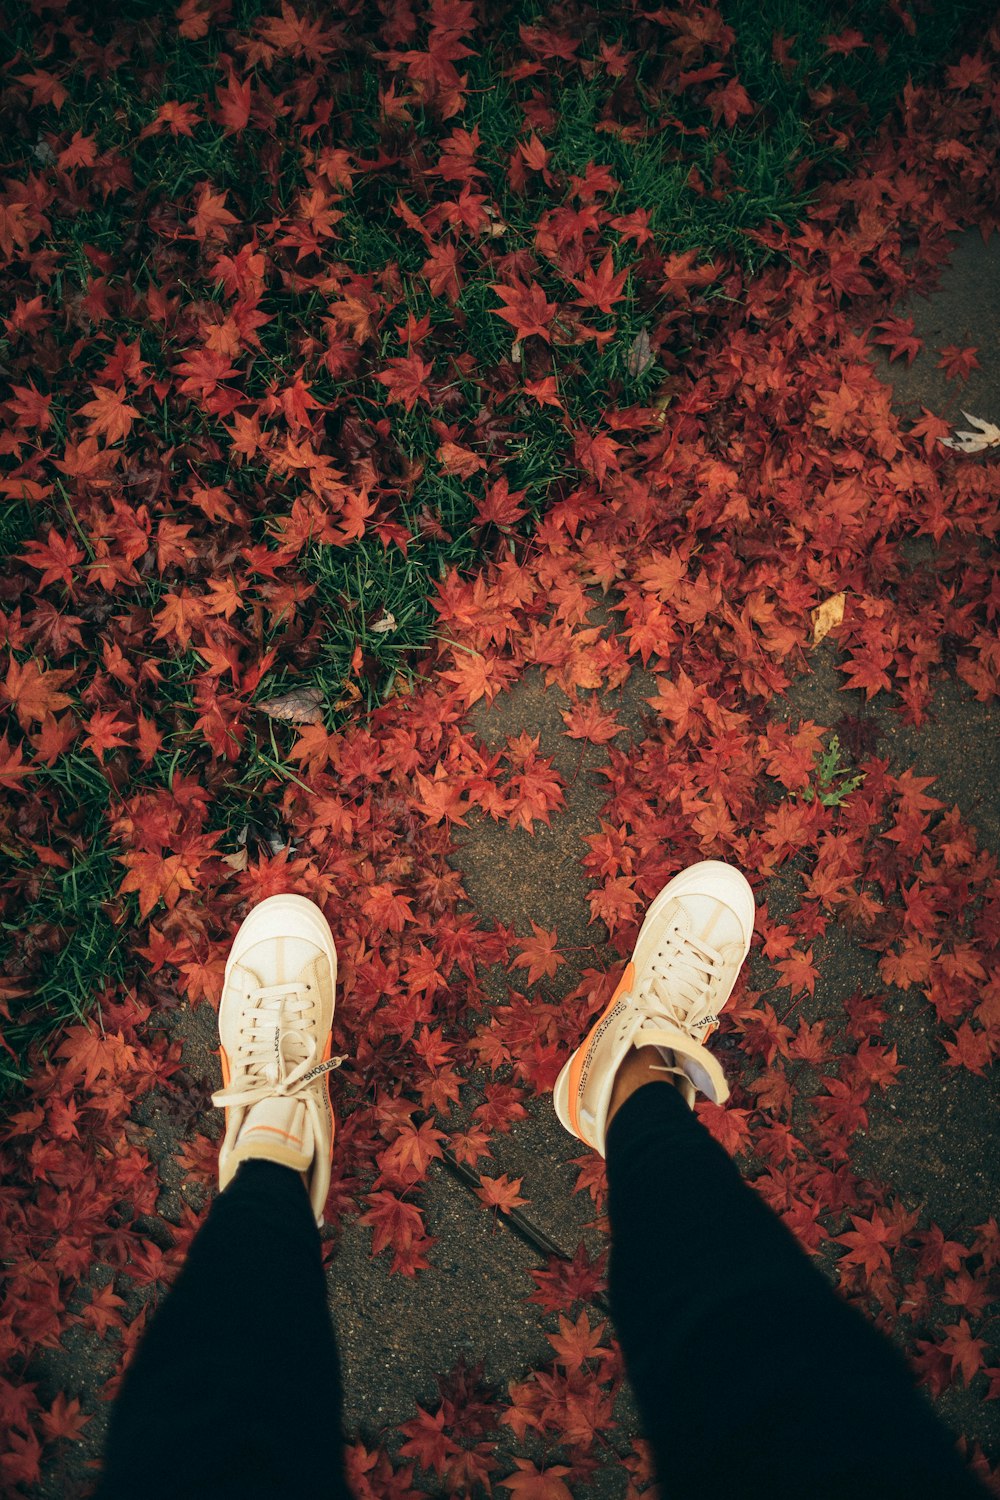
(276, 1017)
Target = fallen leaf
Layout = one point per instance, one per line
(640, 355)
(958, 363)
(827, 616)
(350, 696)
(300, 706)
(532, 1483)
(988, 436)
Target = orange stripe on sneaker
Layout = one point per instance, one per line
(576, 1066)
(296, 1140)
(226, 1073)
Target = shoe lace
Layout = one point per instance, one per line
(682, 982)
(278, 1056)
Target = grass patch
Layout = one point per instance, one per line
(66, 933)
(372, 600)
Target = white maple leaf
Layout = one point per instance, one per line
(988, 436)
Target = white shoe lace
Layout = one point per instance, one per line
(682, 983)
(278, 1058)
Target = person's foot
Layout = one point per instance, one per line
(274, 1034)
(687, 956)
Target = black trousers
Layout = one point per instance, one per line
(752, 1377)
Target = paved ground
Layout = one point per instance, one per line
(938, 1141)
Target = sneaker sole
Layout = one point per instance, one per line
(731, 887)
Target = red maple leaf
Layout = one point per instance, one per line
(899, 336)
(81, 151)
(500, 505)
(576, 1342)
(971, 1049)
(729, 103)
(566, 1281)
(958, 363)
(104, 732)
(179, 117)
(211, 218)
(64, 1419)
(45, 89)
(406, 380)
(57, 558)
(111, 416)
(33, 691)
(203, 371)
(101, 1312)
(972, 70)
(539, 954)
(405, 1161)
(500, 1192)
(234, 104)
(836, 408)
(387, 909)
(527, 310)
(427, 1441)
(587, 720)
(396, 1223)
(799, 972)
(532, 1483)
(601, 288)
(544, 391)
(157, 877)
(868, 1243)
(964, 1351)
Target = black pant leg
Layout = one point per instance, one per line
(753, 1378)
(235, 1389)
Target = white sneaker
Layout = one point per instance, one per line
(274, 1033)
(688, 954)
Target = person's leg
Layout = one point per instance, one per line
(752, 1376)
(235, 1388)
(234, 1393)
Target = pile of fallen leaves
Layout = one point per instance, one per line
(181, 496)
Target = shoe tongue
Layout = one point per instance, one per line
(282, 1122)
(289, 1052)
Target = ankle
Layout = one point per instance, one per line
(636, 1070)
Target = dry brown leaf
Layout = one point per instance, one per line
(640, 355)
(827, 616)
(351, 695)
(300, 706)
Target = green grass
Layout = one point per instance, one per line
(18, 523)
(357, 590)
(69, 918)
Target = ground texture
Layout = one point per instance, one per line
(314, 377)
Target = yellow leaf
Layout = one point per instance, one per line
(827, 616)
